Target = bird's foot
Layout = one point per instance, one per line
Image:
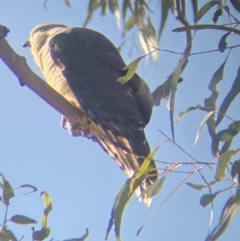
(73, 129)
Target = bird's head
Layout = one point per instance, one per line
(41, 31)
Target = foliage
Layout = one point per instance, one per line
(7, 194)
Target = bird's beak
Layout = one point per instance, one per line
(26, 44)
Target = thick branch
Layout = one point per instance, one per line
(18, 65)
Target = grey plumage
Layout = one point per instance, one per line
(83, 66)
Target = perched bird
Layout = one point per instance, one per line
(83, 66)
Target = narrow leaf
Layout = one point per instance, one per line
(7, 190)
(206, 26)
(217, 14)
(235, 170)
(131, 69)
(92, 6)
(154, 189)
(196, 186)
(222, 45)
(166, 6)
(226, 146)
(223, 162)
(125, 194)
(210, 103)
(235, 89)
(9, 235)
(79, 239)
(126, 4)
(47, 203)
(20, 219)
(188, 110)
(175, 77)
(34, 189)
(228, 213)
(194, 7)
(204, 9)
(3, 237)
(217, 77)
(130, 23)
(204, 120)
(41, 235)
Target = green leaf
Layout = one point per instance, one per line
(207, 198)
(204, 120)
(222, 45)
(20, 219)
(217, 14)
(226, 136)
(226, 146)
(7, 190)
(163, 91)
(205, 8)
(154, 189)
(235, 169)
(212, 183)
(166, 6)
(42, 234)
(175, 77)
(92, 6)
(206, 26)
(34, 189)
(229, 211)
(210, 103)
(125, 194)
(194, 7)
(47, 202)
(236, 4)
(223, 162)
(214, 145)
(130, 23)
(196, 186)
(68, 3)
(131, 69)
(148, 39)
(9, 235)
(126, 4)
(79, 239)
(217, 77)
(188, 110)
(3, 237)
(47, 208)
(104, 6)
(113, 5)
(235, 89)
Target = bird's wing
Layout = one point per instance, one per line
(91, 65)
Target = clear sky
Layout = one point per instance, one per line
(81, 179)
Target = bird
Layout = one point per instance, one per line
(83, 66)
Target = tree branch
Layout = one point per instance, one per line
(18, 65)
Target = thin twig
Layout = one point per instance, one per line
(182, 148)
(201, 52)
(187, 163)
(169, 196)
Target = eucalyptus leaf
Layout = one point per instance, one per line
(204, 9)
(20, 219)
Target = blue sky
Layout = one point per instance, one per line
(81, 179)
